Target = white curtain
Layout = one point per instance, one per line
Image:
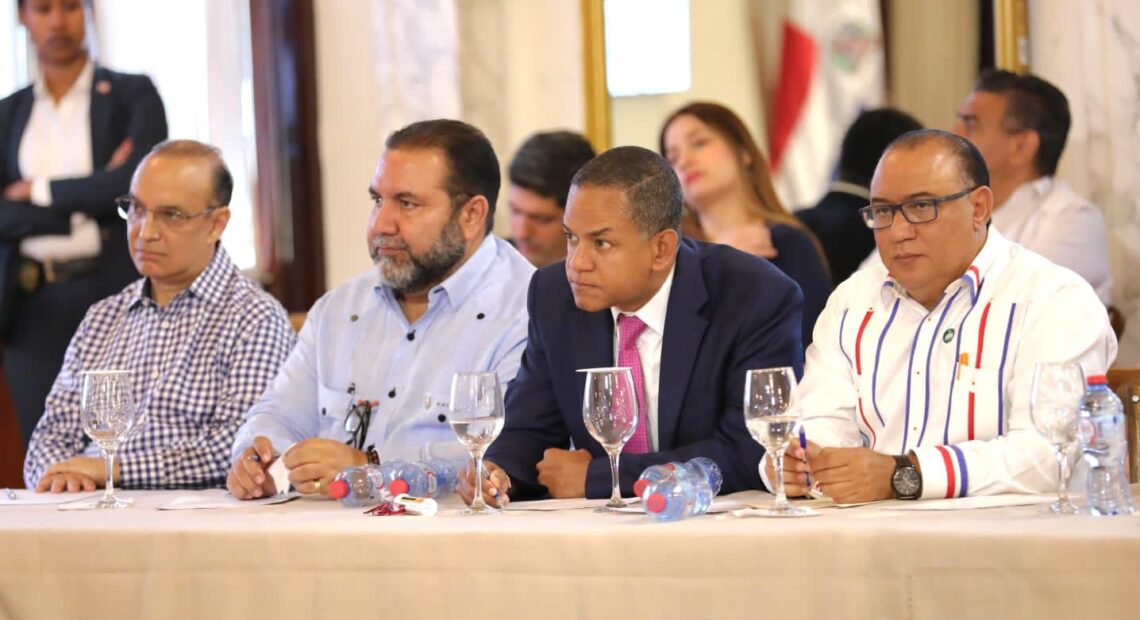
(198, 54)
(1091, 51)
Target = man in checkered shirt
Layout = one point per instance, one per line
(201, 341)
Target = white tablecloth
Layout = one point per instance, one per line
(314, 559)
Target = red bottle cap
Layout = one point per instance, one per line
(639, 487)
(655, 503)
(1098, 380)
(398, 486)
(338, 489)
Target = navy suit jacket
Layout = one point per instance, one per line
(122, 106)
(841, 231)
(728, 312)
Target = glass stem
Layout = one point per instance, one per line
(781, 498)
(615, 495)
(109, 461)
(477, 502)
(1062, 475)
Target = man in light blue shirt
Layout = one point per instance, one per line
(371, 374)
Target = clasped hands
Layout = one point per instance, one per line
(846, 475)
(21, 191)
(312, 465)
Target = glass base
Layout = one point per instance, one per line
(479, 512)
(100, 503)
(786, 511)
(1060, 507)
(612, 506)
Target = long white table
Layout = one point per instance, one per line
(314, 559)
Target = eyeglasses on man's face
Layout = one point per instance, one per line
(915, 211)
(169, 218)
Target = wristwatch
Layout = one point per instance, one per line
(906, 481)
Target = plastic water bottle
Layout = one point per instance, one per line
(1104, 446)
(673, 498)
(435, 478)
(359, 486)
(674, 491)
(652, 474)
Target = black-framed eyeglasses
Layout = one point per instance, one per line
(359, 417)
(915, 210)
(171, 218)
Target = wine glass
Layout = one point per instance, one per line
(477, 418)
(767, 395)
(609, 409)
(108, 412)
(1053, 404)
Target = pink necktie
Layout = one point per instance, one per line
(629, 328)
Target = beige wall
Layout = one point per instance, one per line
(933, 51)
(518, 71)
(724, 69)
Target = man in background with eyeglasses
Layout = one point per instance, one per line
(918, 381)
(202, 342)
(1020, 123)
(371, 375)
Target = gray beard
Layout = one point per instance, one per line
(416, 273)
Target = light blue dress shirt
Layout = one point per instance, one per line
(357, 335)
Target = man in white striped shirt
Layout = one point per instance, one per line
(918, 381)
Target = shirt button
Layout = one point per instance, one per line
(154, 374)
(392, 393)
(411, 336)
(165, 324)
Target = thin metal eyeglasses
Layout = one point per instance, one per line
(915, 211)
(133, 211)
(359, 417)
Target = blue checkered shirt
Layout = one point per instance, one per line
(197, 366)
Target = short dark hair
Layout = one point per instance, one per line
(971, 165)
(223, 181)
(646, 179)
(546, 163)
(473, 168)
(867, 138)
(1035, 105)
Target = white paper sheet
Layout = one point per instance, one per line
(970, 503)
(552, 505)
(28, 497)
(220, 499)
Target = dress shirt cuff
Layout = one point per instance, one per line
(943, 471)
(41, 192)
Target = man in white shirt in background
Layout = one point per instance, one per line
(1020, 123)
(918, 381)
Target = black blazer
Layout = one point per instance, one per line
(841, 231)
(122, 106)
(728, 312)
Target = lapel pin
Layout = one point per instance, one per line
(103, 87)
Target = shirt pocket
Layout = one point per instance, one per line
(332, 405)
(439, 441)
(978, 404)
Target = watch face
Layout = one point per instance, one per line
(906, 482)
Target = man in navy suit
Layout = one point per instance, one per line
(698, 316)
(68, 146)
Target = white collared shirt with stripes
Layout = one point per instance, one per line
(952, 383)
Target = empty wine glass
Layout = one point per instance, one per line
(477, 418)
(767, 396)
(1054, 404)
(108, 412)
(609, 410)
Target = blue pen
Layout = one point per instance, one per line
(803, 444)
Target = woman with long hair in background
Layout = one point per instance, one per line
(729, 199)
